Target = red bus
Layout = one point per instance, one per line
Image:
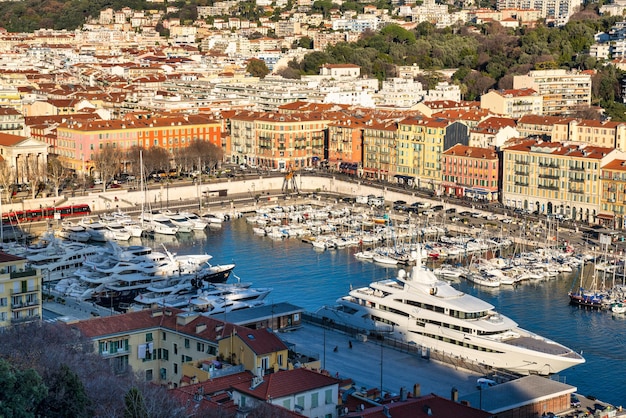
(32, 215)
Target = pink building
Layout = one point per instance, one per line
(470, 171)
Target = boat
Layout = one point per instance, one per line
(72, 232)
(60, 259)
(421, 309)
(159, 223)
(619, 307)
(184, 225)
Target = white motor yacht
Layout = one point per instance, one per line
(420, 309)
(73, 232)
(159, 223)
(197, 222)
(184, 225)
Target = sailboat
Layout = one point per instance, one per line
(588, 298)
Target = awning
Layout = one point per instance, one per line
(606, 216)
(405, 178)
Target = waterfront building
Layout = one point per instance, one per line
(345, 145)
(78, 142)
(258, 350)
(470, 171)
(513, 103)
(555, 178)
(420, 146)
(20, 291)
(563, 91)
(380, 151)
(613, 195)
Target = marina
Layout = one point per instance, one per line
(314, 278)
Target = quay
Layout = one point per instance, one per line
(370, 363)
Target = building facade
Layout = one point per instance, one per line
(20, 291)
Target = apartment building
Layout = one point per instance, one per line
(345, 145)
(20, 291)
(470, 172)
(380, 151)
(513, 103)
(11, 121)
(613, 195)
(78, 141)
(420, 146)
(555, 178)
(563, 91)
(556, 11)
(160, 344)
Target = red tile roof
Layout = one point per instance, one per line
(9, 140)
(287, 382)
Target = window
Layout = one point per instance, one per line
(314, 400)
(300, 401)
(329, 396)
(287, 404)
(164, 336)
(149, 337)
(200, 347)
(265, 363)
(186, 342)
(175, 348)
(149, 375)
(175, 368)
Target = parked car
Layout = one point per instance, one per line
(574, 401)
(451, 210)
(437, 208)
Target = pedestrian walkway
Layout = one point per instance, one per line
(71, 309)
(369, 364)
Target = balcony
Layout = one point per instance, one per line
(25, 273)
(24, 292)
(521, 173)
(119, 351)
(521, 183)
(576, 169)
(576, 191)
(548, 187)
(521, 162)
(575, 180)
(549, 176)
(24, 319)
(549, 165)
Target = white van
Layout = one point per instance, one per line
(362, 199)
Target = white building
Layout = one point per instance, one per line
(444, 91)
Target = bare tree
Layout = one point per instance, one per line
(107, 163)
(7, 178)
(208, 154)
(156, 158)
(57, 172)
(34, 170)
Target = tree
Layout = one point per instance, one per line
(106, 162)
(20, 391)
(57, 172)
(135, 407)
(257, 68)
(156, 158)
(208, 155)
(66, 396)
(7, 178)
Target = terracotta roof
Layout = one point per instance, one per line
(6, 258)
(287, 382)
(261, 341)
(474, 152)
(425, 406)
(617, 165)
(9, 140)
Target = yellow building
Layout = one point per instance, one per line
(20, 291)
(420, 147)
(379, 150)
(256, 349)
(555, 178)
(158, 344)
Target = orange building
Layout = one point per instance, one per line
(78, 142)
(345, 145)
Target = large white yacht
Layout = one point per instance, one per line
(421, 309)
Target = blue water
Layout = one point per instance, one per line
(309, 278)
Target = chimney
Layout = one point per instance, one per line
(417, 390)
(454, 395)
(200, 328)
(157, 313)
(403, 394)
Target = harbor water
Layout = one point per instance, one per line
(310, 278)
